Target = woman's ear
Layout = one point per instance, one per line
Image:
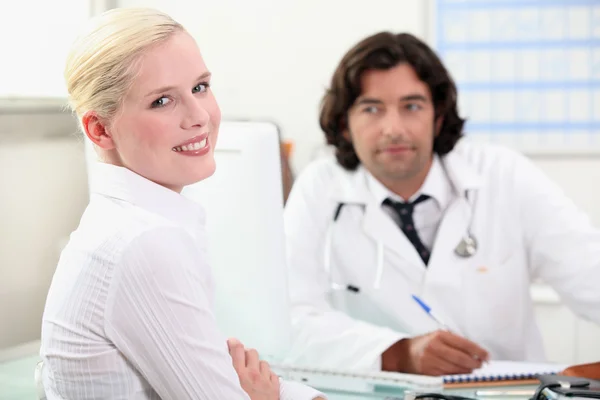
(96, 130)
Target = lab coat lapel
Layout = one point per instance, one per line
(382, 229)
(376, 223)
(453, 227)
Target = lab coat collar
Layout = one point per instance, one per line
(123, 184)
(463, 175)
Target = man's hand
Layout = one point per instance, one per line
(256, 376)
(436, 353)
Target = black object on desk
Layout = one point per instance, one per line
(567, 386)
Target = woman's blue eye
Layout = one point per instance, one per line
(370, 110)
(201, 87)
(160, 102)
(413, 106)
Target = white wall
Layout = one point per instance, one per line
(42, 180)
(43, 191)
(35, 39)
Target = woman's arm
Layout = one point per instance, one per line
(159, 316)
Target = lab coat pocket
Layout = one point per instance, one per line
(492, 299)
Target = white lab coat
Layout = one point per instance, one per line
(526, 228)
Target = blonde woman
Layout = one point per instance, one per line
(128, 314)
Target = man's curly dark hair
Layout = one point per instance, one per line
(383, 51)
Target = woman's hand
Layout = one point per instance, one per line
(255, 375)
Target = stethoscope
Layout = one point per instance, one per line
(467, 247)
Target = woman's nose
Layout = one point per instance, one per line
(196, 114)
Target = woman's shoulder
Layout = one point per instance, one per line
(110, 227)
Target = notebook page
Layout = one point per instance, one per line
(507, 370)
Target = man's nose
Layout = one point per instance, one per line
(393, 124)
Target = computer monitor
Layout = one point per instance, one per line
(244, 207)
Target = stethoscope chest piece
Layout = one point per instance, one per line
(467, 247)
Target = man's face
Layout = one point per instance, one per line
(391, 124)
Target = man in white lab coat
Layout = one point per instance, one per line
(409, 207)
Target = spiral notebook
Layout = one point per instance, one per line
(496, 372)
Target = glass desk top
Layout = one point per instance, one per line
(17, 383)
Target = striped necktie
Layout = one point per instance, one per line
(405, 213)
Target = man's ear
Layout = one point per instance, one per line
(346, 135)
(438, 125)
(97, 131)
(343, 127)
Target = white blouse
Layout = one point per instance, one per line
(129, 311)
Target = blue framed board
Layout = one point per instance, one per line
(528, 71)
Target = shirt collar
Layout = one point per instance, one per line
(436, 185)
(123, 184)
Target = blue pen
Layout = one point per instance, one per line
(437, 319)
(430, 313)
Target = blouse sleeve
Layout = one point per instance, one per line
(159, 316)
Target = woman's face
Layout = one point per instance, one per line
(167, 127)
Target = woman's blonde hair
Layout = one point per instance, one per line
(101, 66)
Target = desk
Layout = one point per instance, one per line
(393, 395)
(17, 383)
(17, 378)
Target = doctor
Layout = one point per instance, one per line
(407, 208)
